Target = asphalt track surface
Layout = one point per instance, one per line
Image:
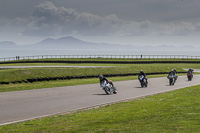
(26, 105)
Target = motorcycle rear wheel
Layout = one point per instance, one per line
(114, 90)
(146, 85)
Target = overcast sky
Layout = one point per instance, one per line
(132, 22)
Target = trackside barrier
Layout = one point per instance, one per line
(104, 62)
(100, 56)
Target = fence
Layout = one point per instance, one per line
(101, 56)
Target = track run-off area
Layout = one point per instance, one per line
(26, 105)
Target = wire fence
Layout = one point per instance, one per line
(100, 56)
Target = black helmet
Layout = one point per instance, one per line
(100, 77)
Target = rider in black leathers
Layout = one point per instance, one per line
(190, 70)
(103, 79)
(172, 72)
(176, 73)
(142, 73)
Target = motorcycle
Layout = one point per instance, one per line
(189, 76)
(143, 81)
(108, 88)
(172, 79)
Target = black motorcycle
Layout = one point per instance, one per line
(189, 76)
(172, 79)
(143, 81)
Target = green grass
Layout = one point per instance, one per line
(7, 75)
(175, 111)
(56, 64)
(60, 83)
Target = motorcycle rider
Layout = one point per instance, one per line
(103, 79)
(172, 72)
(171, 75)
(142, 73)
(176, 73)
(190, 70)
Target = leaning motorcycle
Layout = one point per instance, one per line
(108, 88)
(189, 76)
(172, 79)
(143, 81)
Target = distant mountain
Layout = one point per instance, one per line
(70, 42)
(171, 48)
(8, 45)
(61, 41)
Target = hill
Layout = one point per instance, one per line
(70, 42)
(8, 45)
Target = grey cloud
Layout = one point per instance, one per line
(47, 15)
(50, 20)
(47, 19)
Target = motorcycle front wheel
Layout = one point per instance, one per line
(142, 85)
(170, 82)
(107, 90)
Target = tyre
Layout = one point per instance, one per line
(114, 90)
(146, 85)
(170, 82)
(107, 90)
(189, 78)
(142, 85)
(173, 81)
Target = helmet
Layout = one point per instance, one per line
(140, 70)
(172, 70)
(100, 77)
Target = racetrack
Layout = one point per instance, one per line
(30, 104)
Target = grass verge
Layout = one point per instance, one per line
(60, 83)
(20, 74)
(175, 111)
